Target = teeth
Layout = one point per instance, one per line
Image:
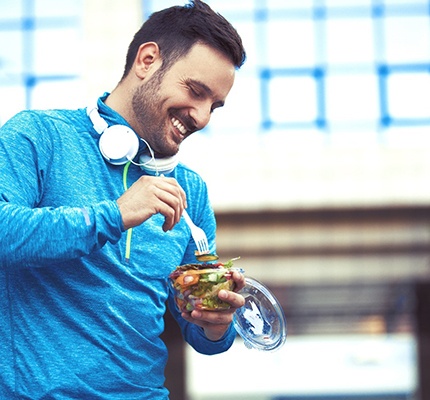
(179, 126)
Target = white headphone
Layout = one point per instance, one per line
(120, 144)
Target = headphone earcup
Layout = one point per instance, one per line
(118, 144)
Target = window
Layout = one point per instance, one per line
(40, 61)
(327, 65)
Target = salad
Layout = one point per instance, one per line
(196, 286)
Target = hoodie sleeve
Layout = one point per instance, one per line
(34, 235)
(43, 235)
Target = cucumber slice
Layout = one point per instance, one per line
(206, 257)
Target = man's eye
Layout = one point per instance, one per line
(195, 92)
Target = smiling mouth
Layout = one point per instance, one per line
(179, 126)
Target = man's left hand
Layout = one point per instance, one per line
(216, 323)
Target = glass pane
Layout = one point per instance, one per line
(242, 108)
(348, 3)
(10, 9)
(250, 41)
(57, 94)
(294, 99)
(352, 98)
(407, 39)
(10, 54)
(12, 99)
(149, 6)
(389, 3)
(350, 41)
(283, 47)
(290, 4)
(409, 95)
(54, 8)
(57, 52)
(227, 6)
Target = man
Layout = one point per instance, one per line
(89, 232)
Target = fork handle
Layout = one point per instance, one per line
(187, 218)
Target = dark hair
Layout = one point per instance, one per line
(177, 29)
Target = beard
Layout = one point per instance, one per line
(153, 124)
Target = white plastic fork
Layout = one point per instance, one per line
(198, 234)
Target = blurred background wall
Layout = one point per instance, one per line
(317, 168)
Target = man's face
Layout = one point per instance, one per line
(169, 107)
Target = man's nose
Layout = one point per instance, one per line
(201, 115)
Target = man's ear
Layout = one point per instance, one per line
(148, 59)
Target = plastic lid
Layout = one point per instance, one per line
(261, 321)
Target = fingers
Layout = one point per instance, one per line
(239, 280)
(225, 317)
(172, 201)
(151, 195)
(172, 187)
(234, 299)
(216, 323)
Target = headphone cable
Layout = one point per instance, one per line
(129, 230)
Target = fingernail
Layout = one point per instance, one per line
(222, 294)
(197, 314)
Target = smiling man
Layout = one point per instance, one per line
(91, 225)
(176, 102)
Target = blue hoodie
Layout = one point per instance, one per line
(78, 319)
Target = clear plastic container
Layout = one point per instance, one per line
(197, 289)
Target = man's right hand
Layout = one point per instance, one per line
(151, 195)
